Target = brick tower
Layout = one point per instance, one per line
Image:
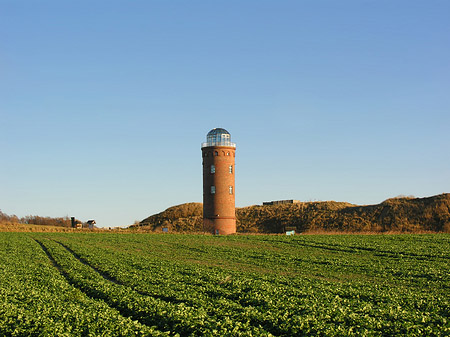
(218, 183)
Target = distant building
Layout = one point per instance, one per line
(91, 224)
(279, 202)
(75, 223)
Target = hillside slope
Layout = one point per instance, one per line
(396, 214)
(181, 218)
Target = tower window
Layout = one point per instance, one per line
(230, 188)
(213, 189)
(228, 153)
(230, 168)
(216, 153)
(213, 169)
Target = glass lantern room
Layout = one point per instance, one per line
(218, 137)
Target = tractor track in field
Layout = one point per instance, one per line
(112, 279)
(86, 263)
(90, 294)
(273, 329)
(96, 296)
(52, 260)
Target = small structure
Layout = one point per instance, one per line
(290, 230)
(279, 202)
(90, 224)
(76, 224)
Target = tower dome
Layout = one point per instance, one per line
(218, 137)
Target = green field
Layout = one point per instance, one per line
(93, 284)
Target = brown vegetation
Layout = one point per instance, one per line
(18, 227)
(400, 215)
(182, 218)
(33, 222)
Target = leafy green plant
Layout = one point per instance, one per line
(201, 285)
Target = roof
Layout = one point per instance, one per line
(218, 137)
(218, 131)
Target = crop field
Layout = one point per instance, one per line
(102, 284)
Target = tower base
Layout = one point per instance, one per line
(220, 226)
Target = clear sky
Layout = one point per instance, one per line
(104, 104)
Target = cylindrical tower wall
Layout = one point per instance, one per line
(219, 215)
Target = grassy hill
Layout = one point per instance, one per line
(181, 218)
(396, 214)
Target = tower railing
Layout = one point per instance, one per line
(220, 143)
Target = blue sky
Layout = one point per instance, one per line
(104, 104)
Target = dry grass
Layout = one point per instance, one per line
(392, 216)
(17, 227)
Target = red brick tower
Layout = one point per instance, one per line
(218, 183)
